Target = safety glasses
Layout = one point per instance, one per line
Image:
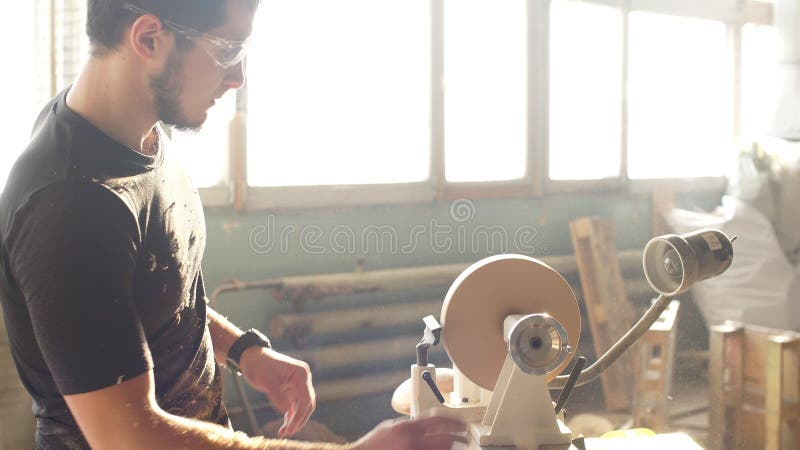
(224, 52)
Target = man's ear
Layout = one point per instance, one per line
(148, 37)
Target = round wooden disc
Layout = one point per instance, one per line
(489, 291)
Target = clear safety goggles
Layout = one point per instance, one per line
(224, 52)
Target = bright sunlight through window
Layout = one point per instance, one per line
(203, 154)
(485, 87)
(18, 120)
(759, 81)
(585, 91)
(680, 97)
(339, 93)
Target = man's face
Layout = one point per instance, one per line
(191, 81)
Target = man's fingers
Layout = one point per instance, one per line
(287, 429)
(295, 422)
(303, 419)
(440, 433)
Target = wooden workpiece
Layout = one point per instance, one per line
(484, 295)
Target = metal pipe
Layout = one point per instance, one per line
(315, 287)
(251, 417)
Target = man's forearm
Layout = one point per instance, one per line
(200, 435)
(166, 431)
(126, 416)
(223, 334)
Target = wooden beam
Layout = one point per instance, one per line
(782, 396)
(654, 366)
(610, 313)
(726, 386)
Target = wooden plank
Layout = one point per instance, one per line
(725, 379)
(610, 313)
(780, 416)
(774, 394)
(654, 366)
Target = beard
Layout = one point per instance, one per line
(166, 90)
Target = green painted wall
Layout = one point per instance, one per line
(266, 244)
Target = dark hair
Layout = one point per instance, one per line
(107, 20)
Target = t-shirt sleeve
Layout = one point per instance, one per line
(72, 252)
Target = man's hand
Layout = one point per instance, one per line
(431, 433)
(287, 383)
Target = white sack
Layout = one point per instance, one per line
(761, 287)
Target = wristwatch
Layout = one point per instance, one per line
(250, 338)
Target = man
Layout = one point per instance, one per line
(102, 239)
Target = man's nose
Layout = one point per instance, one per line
(235, 77)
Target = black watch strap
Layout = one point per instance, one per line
(250, 338)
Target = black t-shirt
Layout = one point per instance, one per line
(100, 276)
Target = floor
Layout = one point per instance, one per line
(689, 413)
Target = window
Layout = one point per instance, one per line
(48, 49)
(585, 91)
(339, 93)
(18, 121)
(397, 101)
(759, 80)
(680, 97)
(205, 153)
(642, 93)
(485, 90)
(52, 45)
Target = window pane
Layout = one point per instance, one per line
(680, 117)
(71, 42)
(759, 81)
(585, 91)
(339, 92)
(21, 101)
(205, 154)
(485, 68)
(31, 57)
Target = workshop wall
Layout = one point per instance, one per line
(269, 244)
